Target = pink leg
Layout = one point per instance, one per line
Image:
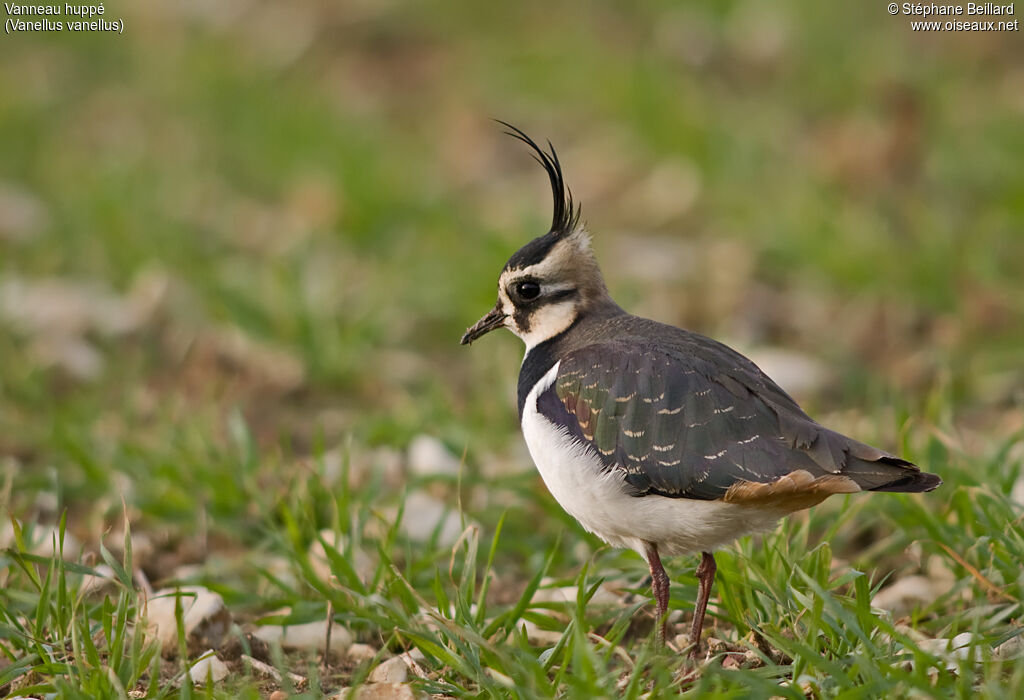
(659, 587)
(706, 577)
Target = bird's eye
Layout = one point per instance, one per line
(527, 291)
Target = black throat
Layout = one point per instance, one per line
(536, 364)
(587, 327)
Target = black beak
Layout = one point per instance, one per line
(495, 318)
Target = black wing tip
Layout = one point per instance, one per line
(913, 482)
(566, 215)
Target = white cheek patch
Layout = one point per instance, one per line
(547, 321)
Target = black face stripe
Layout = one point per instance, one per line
(561, 294)
(522, 319)
(525, 310)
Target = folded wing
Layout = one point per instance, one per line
(703, 422)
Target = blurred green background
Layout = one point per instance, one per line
(239, 244)
(243, 233)
(294, 210)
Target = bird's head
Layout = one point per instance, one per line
(549, 282)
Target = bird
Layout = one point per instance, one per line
(656, 438)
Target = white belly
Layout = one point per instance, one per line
(598, 500)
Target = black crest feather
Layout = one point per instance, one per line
(566, 214)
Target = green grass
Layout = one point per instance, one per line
(785, 589)
(326, 185)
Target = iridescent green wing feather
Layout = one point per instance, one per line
(683, 422)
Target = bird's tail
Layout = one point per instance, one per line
(889, 473)
(870, 468)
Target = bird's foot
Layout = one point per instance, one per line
(692, 664)
(694, 651)
(682, 645)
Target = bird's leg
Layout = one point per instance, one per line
(705, 577)
(659, 587)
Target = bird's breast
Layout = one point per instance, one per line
(576, 477)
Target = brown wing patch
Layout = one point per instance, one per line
(794, 491)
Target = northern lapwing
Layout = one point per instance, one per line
(655, 438)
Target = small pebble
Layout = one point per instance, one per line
(379, 691)
(208, 667)
(311, 636)
(904, 595)
(361, 652)
(429, 457)
(424, 514)
(204, 616)
(394, 670)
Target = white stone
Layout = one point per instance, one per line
(61, 306)
(76, 356)
(208, 667)
(422, 515)
(58, 313)
(904, 595)
(394, 670)
(956, 649)
(494, 465)
(311, 636)
(798, 373)
(204, 616)
(1017, 492)
(907, 631)
(188, 572)
(46, 543)
(429, 457)
(102, 580)
(379, 691)
(1010, 649)
(332, 464)
(384, 463)
(361, 652)
(414, 660)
